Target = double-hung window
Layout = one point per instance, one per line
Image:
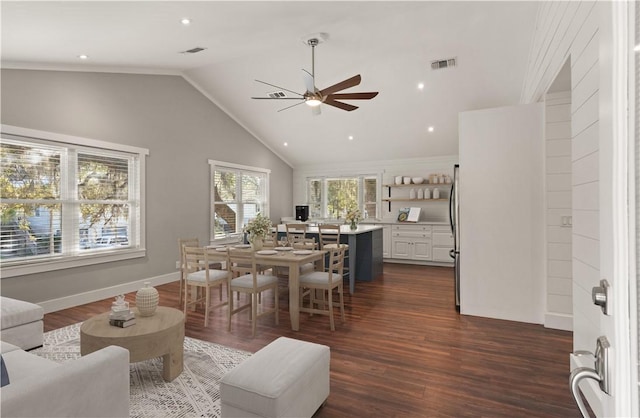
(67, 201)
(333, 197)
(238, 194)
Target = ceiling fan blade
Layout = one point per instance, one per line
(340, 105)
(277, 98)
(354, 96)
(308, 81)
(349, 82)
(289, 107)
(278, 87)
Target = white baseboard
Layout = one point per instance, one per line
(54, 305)
(418, 262)
(558, 321)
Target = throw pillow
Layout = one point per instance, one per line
(4, 374)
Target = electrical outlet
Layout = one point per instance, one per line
(177, 265)
(566, 221)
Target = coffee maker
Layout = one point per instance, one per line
(302, 213)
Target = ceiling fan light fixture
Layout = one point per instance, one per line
(313, 101)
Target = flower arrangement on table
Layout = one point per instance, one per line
(353, 217)
(258, 228)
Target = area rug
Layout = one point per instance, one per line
(195, 393)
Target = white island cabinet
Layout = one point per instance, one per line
(427, 243)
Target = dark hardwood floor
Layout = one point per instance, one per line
(404, 351)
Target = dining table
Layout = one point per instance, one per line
(290, 258)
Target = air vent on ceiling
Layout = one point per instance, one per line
(277, 94)
(193, 50)
(440, 64)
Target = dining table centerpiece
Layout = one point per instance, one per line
(353, 217)
(257, 230)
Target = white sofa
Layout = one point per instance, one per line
(21, 323)
(95, 385)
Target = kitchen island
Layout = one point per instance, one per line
(365, 250)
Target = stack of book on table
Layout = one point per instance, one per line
(121, 316)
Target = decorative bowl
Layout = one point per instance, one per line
(417, 180)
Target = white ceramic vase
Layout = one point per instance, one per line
(256, 243)
(147, 299)
(436, 193)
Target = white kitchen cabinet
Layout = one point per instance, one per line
(411, 242)
(386, 241)
(442, 241)
(419, 243)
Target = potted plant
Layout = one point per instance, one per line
(257, 229)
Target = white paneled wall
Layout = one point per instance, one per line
(571, 30)
(559, 307)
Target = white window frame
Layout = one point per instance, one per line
(78, 259)
(325, 189)
(221, 165)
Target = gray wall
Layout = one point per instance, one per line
(182, 130)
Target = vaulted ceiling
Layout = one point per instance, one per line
(391, 44)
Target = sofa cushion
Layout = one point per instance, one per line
(15, 312)
(5, 347)
(21, 364)
(4, 377)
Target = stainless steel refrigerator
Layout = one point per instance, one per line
(454, 217)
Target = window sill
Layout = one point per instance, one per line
(69, 262)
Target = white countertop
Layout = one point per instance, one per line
(393, 222)
(344, 229)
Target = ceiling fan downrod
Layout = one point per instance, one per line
(312, 43)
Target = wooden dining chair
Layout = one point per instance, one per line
(200, 275)
(329, 237)
(324, 282)
(185, 242)
(245, 278)
(297, 236)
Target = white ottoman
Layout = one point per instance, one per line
(287, 378)
(21, 323)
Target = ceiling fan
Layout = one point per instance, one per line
(313, 97)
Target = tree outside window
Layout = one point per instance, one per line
(334, 197)
(238, 194)
(58, 200)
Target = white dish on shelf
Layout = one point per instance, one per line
(417, 180)
(283, 248)
(266, 252)
(242, 246)
(302, 252)
(221, 248)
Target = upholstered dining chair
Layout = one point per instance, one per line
(200, 274)
(325, 282)
(245, 278)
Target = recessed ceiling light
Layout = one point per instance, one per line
(185, 21)
(286, 144)
(83, 57)
(420, 86)
(430, 129)
(350, 137)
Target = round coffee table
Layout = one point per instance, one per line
(159, 335)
